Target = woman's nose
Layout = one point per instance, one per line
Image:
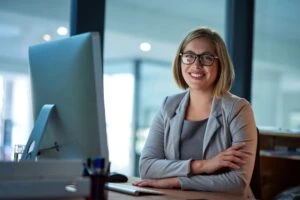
(197, 63)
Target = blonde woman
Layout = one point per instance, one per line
(204, 138)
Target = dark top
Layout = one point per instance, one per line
(192, 136)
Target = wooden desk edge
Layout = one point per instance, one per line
(174, 194)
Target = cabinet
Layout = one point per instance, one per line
(279, 162)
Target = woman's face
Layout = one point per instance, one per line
(199, 76)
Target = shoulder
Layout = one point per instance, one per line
(174, 99)
(233, 105)
(232, 101)
(174, 102)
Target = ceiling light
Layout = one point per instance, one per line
(62, 31)
(47, 37)
(145, 46)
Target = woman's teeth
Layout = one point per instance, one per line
(197, 75)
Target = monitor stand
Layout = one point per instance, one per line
(32, 147)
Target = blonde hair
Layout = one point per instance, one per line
(226, 74)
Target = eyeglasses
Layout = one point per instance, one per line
(205, 59)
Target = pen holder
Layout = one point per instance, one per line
(98, 191)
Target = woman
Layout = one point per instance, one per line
(205, 138)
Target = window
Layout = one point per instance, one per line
(162, 25)
(276, 72)
(23, 23)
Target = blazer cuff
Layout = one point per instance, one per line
(189, 173)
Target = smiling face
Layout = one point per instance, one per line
(196, 75)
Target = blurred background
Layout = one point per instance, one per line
(140, 41)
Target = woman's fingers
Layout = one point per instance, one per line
(234, 159)
(159, 183)
(136, 183)
(231, 165)
(238, 154)
(237, 146)
(142, 183)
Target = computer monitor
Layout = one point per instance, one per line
(68, 103)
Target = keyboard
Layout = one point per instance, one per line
(131, 190)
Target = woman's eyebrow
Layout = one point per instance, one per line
(205, 52)
(189, 52)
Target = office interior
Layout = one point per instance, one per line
(139, 41)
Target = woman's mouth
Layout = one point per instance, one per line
(197, 75)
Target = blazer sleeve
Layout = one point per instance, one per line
(153, 162)
(243, 129)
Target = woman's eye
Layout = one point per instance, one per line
(190, 56)
(208, 57)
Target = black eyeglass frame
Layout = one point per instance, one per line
(199, 58)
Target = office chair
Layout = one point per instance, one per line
(255, 180)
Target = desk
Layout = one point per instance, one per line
(174, 195)
(269, 140)
(278, 171)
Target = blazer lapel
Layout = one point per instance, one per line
(213, 123)
(176, 123)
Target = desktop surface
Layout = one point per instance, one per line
(174, 194)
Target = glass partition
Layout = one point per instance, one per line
(276, 72)
(147, 34)
(22, 24)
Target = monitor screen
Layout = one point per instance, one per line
(68, 103)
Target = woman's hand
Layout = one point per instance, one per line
(232, 157)
(166, 183)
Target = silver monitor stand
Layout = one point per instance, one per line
(32, 147)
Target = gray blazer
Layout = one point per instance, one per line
(231, 121)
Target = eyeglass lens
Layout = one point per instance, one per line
(205, 59)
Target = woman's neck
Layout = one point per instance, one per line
(199, 106)
(200, 98)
